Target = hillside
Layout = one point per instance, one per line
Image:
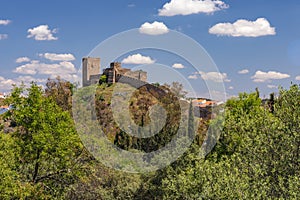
(256, 156)
(132, 109)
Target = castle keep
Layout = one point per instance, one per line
(115, 73)
(90, 71)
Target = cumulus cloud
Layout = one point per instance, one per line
(188, 7)
(297, 78)
(6, 81)
(138, 59)
(231, 88)
(35, 71)
(42, 32)
(4, 22)
(214, 76)
(29, 79)
(22, 59)
(58, 57)
(244, 28)
(155, 28)
(6, 84)
(29, 68)
(178, 66)
(244, 71)
(194, 77)
(3, 36)
(56, 69)
(272, 86)
(261, 76)
(73, 78)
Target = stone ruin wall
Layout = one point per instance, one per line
(115, 73)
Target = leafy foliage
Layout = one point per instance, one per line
(256, 156)
(61, 92)
(48, 155)
(140, 104)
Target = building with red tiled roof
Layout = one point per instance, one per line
(4, 107)
(202, 102)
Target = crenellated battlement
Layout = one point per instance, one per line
(115, 73)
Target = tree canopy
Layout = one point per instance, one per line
(256, 155)
(48, 150)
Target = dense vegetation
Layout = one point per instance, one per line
(256, 156)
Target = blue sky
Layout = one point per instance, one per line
(253, 43)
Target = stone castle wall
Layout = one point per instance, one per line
(131, 81)
(140, 75)
(115, 73)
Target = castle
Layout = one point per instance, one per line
(115, 73)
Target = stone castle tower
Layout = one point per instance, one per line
(90, 70)
(115, 73)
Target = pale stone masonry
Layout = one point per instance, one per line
(90, 70)
(115, 73)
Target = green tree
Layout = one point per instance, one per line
(103, 79)
(191, 121)
(9, 183)
(256, 157)
(104, 183)
(49, 156)
(61, 92)
(261, 148)
(177, 89)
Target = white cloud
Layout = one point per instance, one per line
(260, 76)
(244, 28)
(188, 7)
(29, 68)
(3, 36)
(138, 59)
(6, 84)
(42, 32)
(29, 79)
(22, 59)
(58, 57)
(65, 69)
(178, 66)
(218, 95)
(131, 5)
(4, 81)
(73, 78)
(155, 28)
(271, 86)
(297, 78)
(193, 77)
(4, 22)
(244, 71)
(214, 76)
(231, 88)
(36, 67)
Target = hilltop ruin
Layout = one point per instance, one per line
(115, 73)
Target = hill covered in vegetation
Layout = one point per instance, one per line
(256, 155)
